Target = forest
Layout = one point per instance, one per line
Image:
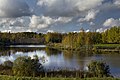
(21, 38)
(67, 40)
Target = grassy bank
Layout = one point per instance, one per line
(107, 47)
(102, 47)
(110, 46)
(3, 77)
(95, 47)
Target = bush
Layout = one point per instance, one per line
(25, 66)
(99, 69)
(8, 64)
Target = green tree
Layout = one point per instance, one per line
(111, 35)
(8, 64)
(81, 39)
(99, 69)
(25, 66)
(53, 37)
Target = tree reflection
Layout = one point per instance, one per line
(81, 58)
(7, 51)
(51, 51)
(68, 55)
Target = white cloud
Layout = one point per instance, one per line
(112, 22)
(68, 7)
(14, 8)
(64, 19)
(51, 31)
(90, 16)
(33, 23)
(52, 14)
(76, 31)
(117, 2)
(101, 30)
(5, 30)
(14, 24)
(21, 22)
(41, 22)
(87, 30)
(92, 23)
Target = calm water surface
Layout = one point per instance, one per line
(55, 59)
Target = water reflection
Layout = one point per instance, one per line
(17, 54)
(27, 46)
(55, 59)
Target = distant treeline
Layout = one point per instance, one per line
(76, 40)
(110, 36)
(21, 38)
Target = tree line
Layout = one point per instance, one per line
(110, 36)
(21, 38)
(75, 40)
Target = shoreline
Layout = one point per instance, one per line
(85, 48)
(94, 48)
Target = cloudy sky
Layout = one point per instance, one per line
(58, 15)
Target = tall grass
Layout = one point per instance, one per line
(107, 45)
(4, 77)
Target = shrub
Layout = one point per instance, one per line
(99, 69)
(25, 66)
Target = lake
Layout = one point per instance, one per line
(55, 59)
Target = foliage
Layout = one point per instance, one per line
(111, 35)
(49, 78)
(76, 40)
(70, 40)
(25, 66)
(8, 64)
(6, 68)
(107, 46)
(99, 69)
(53, 37)
(21, 38)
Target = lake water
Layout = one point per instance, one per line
(54, 59)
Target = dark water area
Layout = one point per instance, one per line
(59, 60)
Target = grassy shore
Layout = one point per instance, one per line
(95, 47)
(3, 77)
(107, 47)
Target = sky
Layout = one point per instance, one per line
(58, 15)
